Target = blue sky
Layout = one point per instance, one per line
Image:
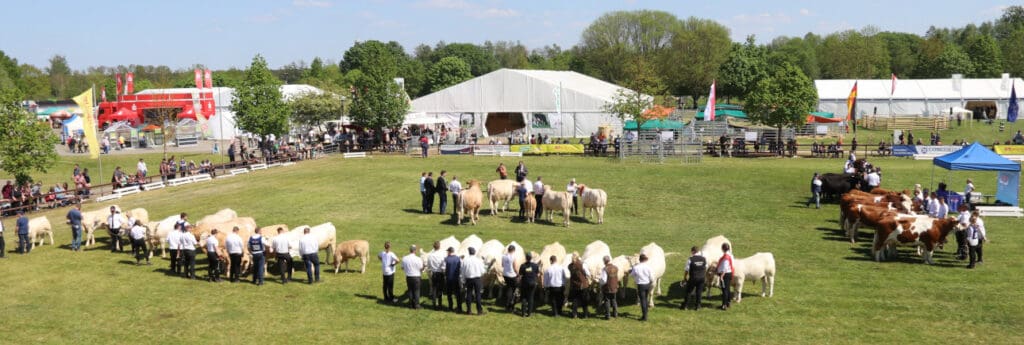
(229, 33)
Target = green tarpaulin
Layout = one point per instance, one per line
(720, 112)
(654, 124)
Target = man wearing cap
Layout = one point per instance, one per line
(388, 261)
(435, 264)
(452, 272)
(309, 246)
(75, 220)
(114, 226)
(24, 245)
(472, 269)
(528, 272)
(412, 265)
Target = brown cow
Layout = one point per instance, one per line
(530, 207)
(861, 214)
(350, 250)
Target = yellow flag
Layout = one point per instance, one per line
(88, 122)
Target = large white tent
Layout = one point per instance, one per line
(556, 103)
(222, 124)
(917, 97)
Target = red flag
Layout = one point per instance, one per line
(893, 85)
(199, 79)
(209, 79)
(119, 85)
(103, 93)
(709, 109)
(129, 83)
(851, 105)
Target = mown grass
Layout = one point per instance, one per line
(827, 290)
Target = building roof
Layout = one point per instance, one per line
(917, 89)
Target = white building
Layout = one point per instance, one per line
(918, 97)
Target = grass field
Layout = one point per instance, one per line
(827, 290)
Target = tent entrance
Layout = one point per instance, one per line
(983, 110)
(500, 123)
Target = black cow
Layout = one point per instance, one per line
(834, 185)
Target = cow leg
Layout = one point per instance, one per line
(600, 215)
(51, 238)
(770, 281)
(739, 287)
(362, 260)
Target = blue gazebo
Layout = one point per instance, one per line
(977, 157)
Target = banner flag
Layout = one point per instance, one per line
(119, 85)
(84, 102)
(709, 109)
(851, 106)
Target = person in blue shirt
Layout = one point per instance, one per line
(24, 245)
(75, 220)
(452, 271)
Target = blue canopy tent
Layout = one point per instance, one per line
(977, 157)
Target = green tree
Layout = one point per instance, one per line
(316, 69)
(36, 84)
(903, 51)
(746, 64)
(26, 145)
(703, 45)
(802, 52)
(257, 105)
(1012, 50)
(851, 54)
(379, 101)
(508, 54)
(312, 109)
(953, 60)
(10, 74)
(986, 59)
(630, 104)
(479, 59)
(783, 98)
(291, 73)
(363, 54)
(927, 65)
(60, 76)
(624, 36)
(447, 72)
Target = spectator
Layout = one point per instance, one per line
(118, 180)
(521, 171)
(1018, 139)
(502, 171)
(141, 168)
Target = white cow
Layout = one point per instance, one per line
(156, 234)
(556, 201)
(593, 260)
(656, 262)
(93, 220)
(596, 249)
(712, 251)
(450, 242)
(500, 193)
(138, 214)
(471, 241)
(544, 259)
(219, 217)
(593, 200)
(39, 228)
(760, 266)
(327, 235)
(491, 253)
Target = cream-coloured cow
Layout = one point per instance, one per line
(138, 214)
(593, 200)
(760, 266)
(530, 207)
(656, 262)
(473, 241)
(156, 234)
(544, 259)
(470, 201)
(712, 251)
(221, 216)
(557, 201)
(38, 229)
(350, 250)
(500, 193)
(93, 220)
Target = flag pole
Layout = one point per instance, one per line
(97, 129)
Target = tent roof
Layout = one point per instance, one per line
(880, 89)
(738, 113)
(654, 124)
(521, 91)
(976, 157)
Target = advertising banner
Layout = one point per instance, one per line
(937, 150)
(1007, 187)
(903, 150)
(468, 149)
(1009, 149)
(548, 148)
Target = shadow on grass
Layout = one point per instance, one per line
(941, 259)
(833, 234)
(409, 210)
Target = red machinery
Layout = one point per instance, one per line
(139, 109)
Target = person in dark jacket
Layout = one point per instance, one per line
(452, 272)
(693, 279)
(609, 288)
(442, 189)
(429, 189)
(579, 288)
(528, 273)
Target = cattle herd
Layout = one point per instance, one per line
(502, 192)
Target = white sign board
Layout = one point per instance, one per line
(750, 136)
(823, 130)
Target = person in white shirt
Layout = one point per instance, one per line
(388, 261)
(942, 210)
(282, 251)
(975, 238)
(213, 257)
(472, 270)
(873, 179)
(141, 167)
(538, 192)
(257, 249)
(968, 189)
(114, 226)
(412, 265)
(933, 205)
(725, 274)
(233, 243)
(174, 246)
(455, 187)
(571, 188)
(138, 236)
(436, 266)
(964, 218)
(509, 271)
(309, 247)
(554, 281)
(187, 243)
(642, 274)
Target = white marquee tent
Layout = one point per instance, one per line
(222, 124)
(555, 103)
(917, 97)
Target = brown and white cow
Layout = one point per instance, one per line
(925, 233)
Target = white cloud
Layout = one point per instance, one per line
(311, 3)
(469, 9)
(445, 4)
(762, 19)
(493, 13)
(805, 12)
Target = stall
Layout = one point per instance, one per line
(977, 157)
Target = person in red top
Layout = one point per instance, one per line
(725, 273)
(424, 145)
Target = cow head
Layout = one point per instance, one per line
(581, 187)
